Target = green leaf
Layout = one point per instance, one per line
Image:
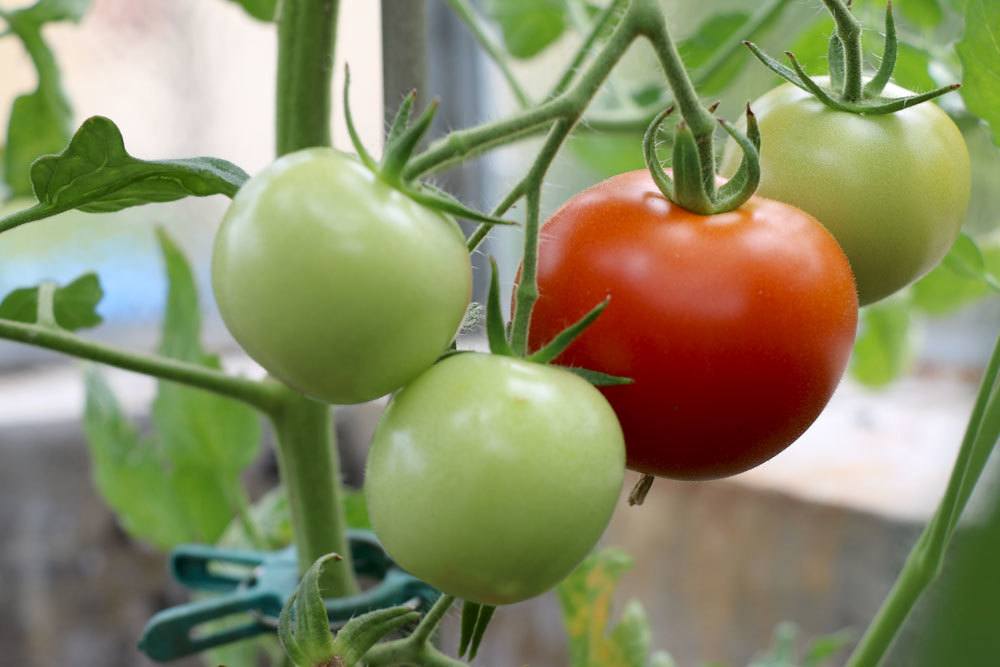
(48, 11)
(825, 648)
(965, 275)
(922, 13)
(96, 174)
(186, 473)
(262, 10)
(39, 123)
(586, 599)
(979, 51)
(882, 350)
(528, 26)
(75, 305)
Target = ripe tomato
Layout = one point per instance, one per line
(491, 478)
(336, 283)
(892, 189)
(735, 328)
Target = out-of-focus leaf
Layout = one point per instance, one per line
(528, 26)
(356, 510)
(710, 36)
(922, 13)
(586, 598)
(74, 305)
(198, 445)
(979, 51)
(262, 10)
(882, 350)
(783, 651)
(96, 174)
(40, 121)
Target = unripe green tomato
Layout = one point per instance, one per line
(336, 283)
(491, 478)
(892, 189)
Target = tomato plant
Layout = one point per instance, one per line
(748, 314)
(665, 319)
(891, 188)
(334, 281)
(491, 477)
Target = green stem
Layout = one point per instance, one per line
(307, 34)
(750, 30)
(849, 31)
(496, 53)
(417, 648)
(925, 560)
(310, 469)
(612, 12)
(262, 395)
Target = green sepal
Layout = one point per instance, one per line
(496, 330)
(565, 338)
(878, 82)
(363, 632)
(402, 118)
(690, 190)
(660, 177)
(597, 378)
(744, 183)
(475, 619)
(303, 625)
(352, 131)
(438, 199)
(400, 149)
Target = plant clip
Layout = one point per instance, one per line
(252, 588)
(847, 91)
(693, 185)
(401, 140)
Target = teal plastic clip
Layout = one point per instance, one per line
(253, 587)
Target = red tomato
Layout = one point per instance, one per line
(735, 328)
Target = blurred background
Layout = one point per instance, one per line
(814, 537)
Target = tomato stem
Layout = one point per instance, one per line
(307, 36)
(310, 468)
(849, 32)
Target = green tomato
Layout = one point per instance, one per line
(892, 189)
(491, 478)
(336, 283)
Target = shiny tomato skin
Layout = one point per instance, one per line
(735, 328)
(491, 478)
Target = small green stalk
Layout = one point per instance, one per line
(849, 33)
(307, 35)
(310, 469)
(416, 649)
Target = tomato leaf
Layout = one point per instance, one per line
(966, 275)
(586, 598)
(263, 10)
(96, 174)
(40, 121)
(528, 26)
(882, 349)
(979, 51)
(74, 305)
(181, 483)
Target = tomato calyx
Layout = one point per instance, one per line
(401, 140)
(693, 185)
(499, 343)
(847, 90)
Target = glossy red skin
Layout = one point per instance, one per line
(735, 328)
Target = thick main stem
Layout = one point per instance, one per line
(307, 35)
(310, 468)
